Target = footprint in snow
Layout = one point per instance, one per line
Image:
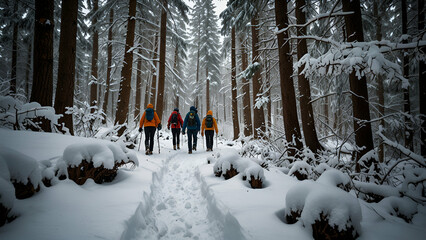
(188, 205)
(161, 206)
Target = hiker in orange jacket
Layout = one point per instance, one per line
(209, 125)
(150, 122)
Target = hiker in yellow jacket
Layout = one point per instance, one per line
(208, 127)
(150, 122)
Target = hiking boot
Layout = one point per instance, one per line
(194, 148)
(150, 152)
(178, 146)
(189, 152)
(147, 152)
(174, 147)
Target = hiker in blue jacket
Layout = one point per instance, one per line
(192, 121)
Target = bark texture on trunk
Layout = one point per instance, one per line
(360, 106)
(234, 87)
(162, 67)
(66, 66)
(408, 126)
(42, 89)
(306, 112)
(12, 90)
(422, 77)
(109, 52)
(154, 73)
(126, 71)
(139, 80)
(288, 97)
(259, 118)
(95, 55)
(248, 126)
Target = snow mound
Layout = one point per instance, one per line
(335, 178)
(7, 192)
(248, 167)
(300, 169)
(372, 192)
(404, 208)
(22, 168)
(105, 155)
(313, 202)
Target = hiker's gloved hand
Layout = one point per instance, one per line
(140, 129)
(202, 134)
(183, 132)
(159, 126)
(168, 127)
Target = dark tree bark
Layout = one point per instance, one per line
(234, 87)
(422, 77)
(66, 66)
(42, 89)
(360, 106)
(380, 88)
(175, 69)
(95, 53)
(139, 80)
(12, 90)
(259, 119)
(126, 71)
(162, 67)
(288, 97)
(306, 112)
(408, 127)
(154, 73)
(207, 90)
(109, 52)
(248, 126)
(28, 69)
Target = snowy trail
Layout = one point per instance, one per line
(178, 209)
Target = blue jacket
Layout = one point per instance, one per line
(197, 119)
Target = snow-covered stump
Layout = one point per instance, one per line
(300, 170)
(99, 162)
(6, 196)
(403, 208)
(335, 178)
(251, 171)
(328, 212)
(24, 172)
(226, 165)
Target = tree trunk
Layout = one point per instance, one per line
(42, 89)
(408, 127)
(14, 53)
(269, 104)
(380, 88)
(154, 73)
(259, 119)
(248, 126)
(66, 66)
(288, 98)
(234, 87)
(27, 71)
(108, 79)
(197, 77)
(126, 71)
(207, 90)
(422, 77)
(162, 67)
(360, 106)
(95, 53)
(306, 112)
(139, 80)
(175, 69)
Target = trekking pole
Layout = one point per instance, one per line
(158, 141)
(140, 140)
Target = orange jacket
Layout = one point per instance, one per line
(153, 123)
(204, 127)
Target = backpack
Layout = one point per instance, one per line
(209, 121)
(149, 114)
(191, 119)
(174, 119)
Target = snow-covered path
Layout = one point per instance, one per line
(176, 207)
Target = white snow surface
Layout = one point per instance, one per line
(171, 195)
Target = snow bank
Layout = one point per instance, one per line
(22, 168)
(100, 154)
(335, 178)
(404, 208)
(374, 192)
(7, 192)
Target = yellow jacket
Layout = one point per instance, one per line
(204, 127)
(153, 123)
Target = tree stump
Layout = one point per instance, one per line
(86, 170)
(23, 191)
(4, 211)
(293, 217)
(255, 182)
(230, 173)
(322, 230)
(300, 176)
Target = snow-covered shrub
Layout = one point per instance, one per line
(24, 171)
(372, 192)
(404, 208)
(87, 118)
(97, 161)
(251, 171)
(226, 165)
(326, 211)
(335, 178)
(300, 169)
(29, 116)
(7, 193)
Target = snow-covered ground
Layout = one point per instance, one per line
(171, 195)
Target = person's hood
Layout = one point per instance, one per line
(210, 112)
(150, 106)
(192, 108)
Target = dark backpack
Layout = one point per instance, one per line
(149, 114)
(209, 121)
(174, 119)
(191, 119)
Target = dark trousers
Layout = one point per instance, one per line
(209, 138)
(149, 137)
(192, 135)
(176, 136)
